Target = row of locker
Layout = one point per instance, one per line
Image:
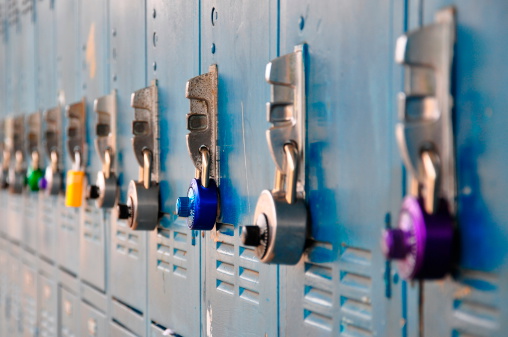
(423, 241)
(120, 281)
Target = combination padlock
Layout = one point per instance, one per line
(200, 206)
(423, 242)
(142, 208)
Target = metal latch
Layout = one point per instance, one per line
(77, 149)
(423, 242)
(16, 138)
(142, 208)
(34, 140)
(52, 182)
(105, 191)
(5, 155)
(281, 220)
(201, 205)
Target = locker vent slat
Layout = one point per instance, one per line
(475, 305)
(355, 291)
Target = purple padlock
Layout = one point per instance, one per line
(422, 244)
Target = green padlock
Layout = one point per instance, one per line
(32, 178)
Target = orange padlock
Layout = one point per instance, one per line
(74, 188)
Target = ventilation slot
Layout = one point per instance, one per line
(355, 290)
(163, 250)
(126, 242)
(12, 12)
(475, 303)
(171, 252)
(47, 324)
(48, 212)
(26, 6)
(29, 314)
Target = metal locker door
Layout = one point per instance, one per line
(29, 300)
(127, 74)
(48, 306)
(68, 314)
(68, 79)
(47, 98)
(4, 285)
(173, 250)
(14, 309)
(341, 285)
(93, 322)
(94, 33)
(473, 302)
(118, 331)
(241, 293)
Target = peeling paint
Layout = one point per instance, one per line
(209, 321)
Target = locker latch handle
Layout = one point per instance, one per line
(422, 243)
(142, 209)
(201, 205)
(280, 220)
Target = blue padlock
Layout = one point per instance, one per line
(200, 205)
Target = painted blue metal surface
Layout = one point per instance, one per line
(91, 274)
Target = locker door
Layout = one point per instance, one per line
(94, 36)
(341, 285)
(4, 285)
(127, 74)
(47, 98)
(241, 293)
(173, 251)
(473, 302)
(93, 322)
(68, 79)
(29, 301)
(48, 306)
(68, 314)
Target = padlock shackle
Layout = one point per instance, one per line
(205, 166)
(147, 167)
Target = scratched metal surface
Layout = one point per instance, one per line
(174, 262)
(194, 285)
(474, 302)
(93, 40)
(241, 38)
(126, 75)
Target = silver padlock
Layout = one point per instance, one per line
(281, 218)
(142, 207)
(105, 191)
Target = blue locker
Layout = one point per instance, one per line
(341, 285)
(241, 294)
(48, 306)
(128, 253)
(473, 301)
(174, 267)
(68, 70)
(94, 52)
